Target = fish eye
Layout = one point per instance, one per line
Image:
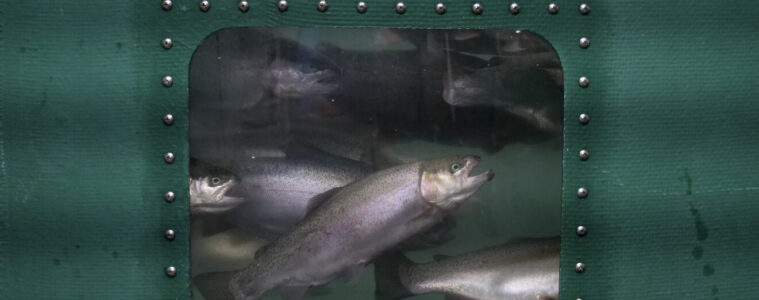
(455, 167)
(215, 180)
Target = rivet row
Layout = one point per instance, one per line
(168, 119)
(361, 7)
(583, 154)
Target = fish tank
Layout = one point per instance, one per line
(375, 163)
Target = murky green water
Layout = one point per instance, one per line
(399, 96)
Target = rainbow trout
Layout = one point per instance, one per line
(522, 269)
(358, 222)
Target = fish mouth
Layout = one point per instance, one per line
(228, 203)
(472, 162)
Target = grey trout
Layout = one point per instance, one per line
(358, 222)
(280, 191)
(296, 80)
(522, 269)
(267, 196)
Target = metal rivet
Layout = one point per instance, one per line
(167, 81)
(168, 119)
(440, 8)
(582, 192)
(584, 119)
(584, 154)
(584, 42)
(243, 6)
(400, 7)
(581, 230)
(322, 5)
(580, 267)
(282, 5)
(204, 5)
(169, 196)
(166, 5)
(169, 234)
(171, 271)
(584, 9)
(583, 82)
(514, 8)
(361, 7)
(553, 8)
(168, 157)
(167, 43)
(477, 8)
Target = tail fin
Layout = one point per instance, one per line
(387, 272)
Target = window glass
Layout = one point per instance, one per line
(375, 163)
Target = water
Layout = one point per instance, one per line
(376, 98)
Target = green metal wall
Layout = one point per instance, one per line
(673, 136)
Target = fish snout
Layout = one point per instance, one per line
(472, 161)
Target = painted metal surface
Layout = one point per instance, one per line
(672, 213)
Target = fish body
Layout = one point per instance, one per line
(534, 97)
(523, 269)
(295, 80)
(268, 195)
(358, 222)
(278, 192)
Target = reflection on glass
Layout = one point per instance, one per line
(416, 164)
